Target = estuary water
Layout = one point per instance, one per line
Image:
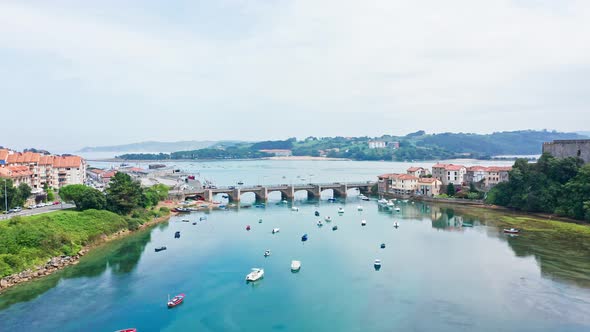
(438, 272)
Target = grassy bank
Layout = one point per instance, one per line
(26, 242)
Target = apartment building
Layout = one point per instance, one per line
(43, 170)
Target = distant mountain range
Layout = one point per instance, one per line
(154, 146)
(584, 133)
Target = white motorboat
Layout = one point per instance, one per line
(382, 201)
(294, 208)
(397, 209)
(319, 223)
(340, 210)
(284, 201)
(363, 222)
(396, 224)
(295, 266)
(390, 204)
(267, 253)
(275, 230)
(359, 208)
(328, 219)
(256, 274)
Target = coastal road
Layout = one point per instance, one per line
(41, 210)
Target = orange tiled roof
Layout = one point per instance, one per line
(452, 167)
(3, 154)
(386, 176)
(499, 168)
(109, 174)
(66, 161)
(476, 168)
(46, 160)
(439, 165)
(414, 169)
(404, 177)
(15, 171)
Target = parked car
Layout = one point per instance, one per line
(56, 203)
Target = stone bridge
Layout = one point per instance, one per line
(261, 192)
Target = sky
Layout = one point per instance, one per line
(92, 73)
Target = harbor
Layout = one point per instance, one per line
(209, 261)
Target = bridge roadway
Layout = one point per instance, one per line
(261, 192)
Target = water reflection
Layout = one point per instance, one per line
(121, 256)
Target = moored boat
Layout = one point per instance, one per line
(247, 227)
(317, 213)
(382, 201)
(331, 200)
(511, 230)
(267, 253)
(275, 230)
(328, 219)
(127, 330)
(304, 237)
(390, 203)
(334, 227)
(160, 248)
(382, 245)
(181, 210)
(340, 210)
(377, 264)
(319, 223)
(363, 222)
(295, 266)
(359, 208)
(178, 299)
(185, 220)
(256, 274)
(177, 234)
(467, 224)
(294, 208)
(397, 209)
(396, 224)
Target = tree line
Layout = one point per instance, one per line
(551, 185)
(122, 196)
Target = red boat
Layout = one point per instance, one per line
(175, 301)
(127, 330)
(248, 227)
(511, 231)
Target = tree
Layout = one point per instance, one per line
(154, 194)
(451, 190)
(23, 191)
(92, 199)
(124, 194)
(10, 193)
(83, 197)
(50, 195)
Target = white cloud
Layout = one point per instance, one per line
(396, 58)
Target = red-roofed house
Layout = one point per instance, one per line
(449, 173)
(398, 184)
(18, 174)
(418, 171)
(497, 174)
(429, 187)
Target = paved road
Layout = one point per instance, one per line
(41, 210)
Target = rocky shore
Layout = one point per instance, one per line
(60, 262)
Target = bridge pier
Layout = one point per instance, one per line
(340, 192)
(288, 194)
(234, 196)
(314, 193)
(208, 195)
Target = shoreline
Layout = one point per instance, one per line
(118, 160)
(59, 263)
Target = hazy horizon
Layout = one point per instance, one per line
(111, 73)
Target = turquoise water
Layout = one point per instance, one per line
(436, 275)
